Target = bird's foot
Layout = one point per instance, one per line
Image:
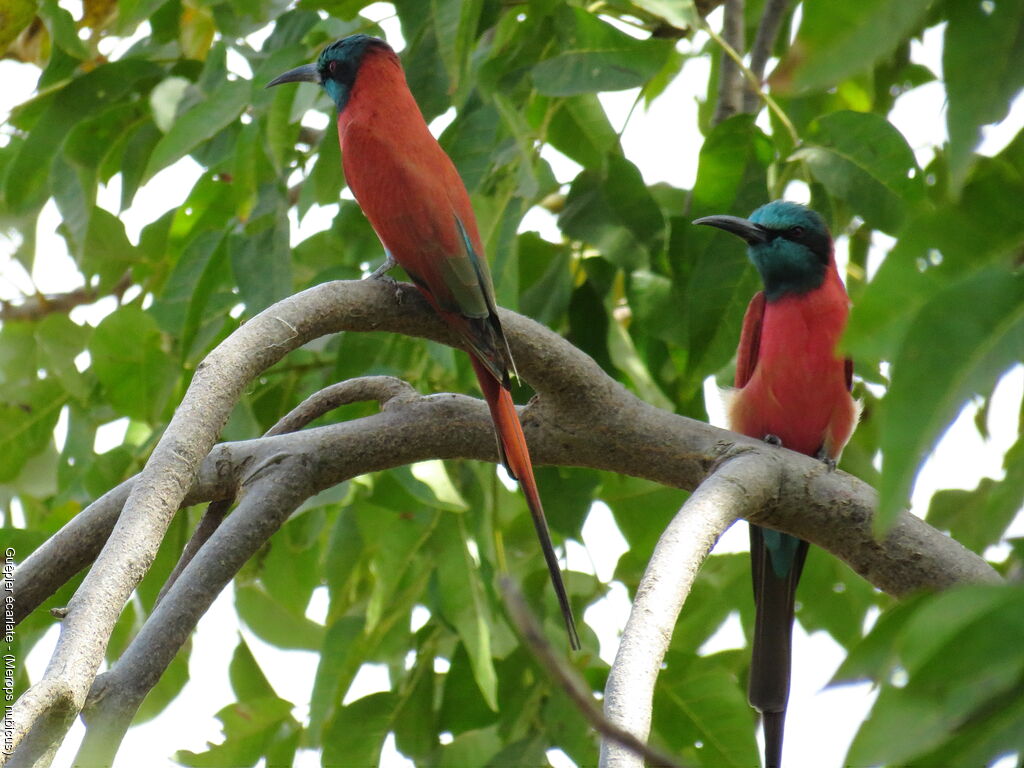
(380, 273)
(827, 460)
(773, 440)
(388, 280)
(389, 263)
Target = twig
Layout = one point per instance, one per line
(755, 85)
(739, 486)
(567, 679)
(39, 306)
(730, 81)
(383, 389)
(760, 52)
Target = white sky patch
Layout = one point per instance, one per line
(603, 541)
(371, 678)
(110, 435)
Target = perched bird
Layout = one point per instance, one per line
(414, 198)
(791, 390)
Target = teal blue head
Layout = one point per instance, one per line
(788, 243)
(336, 68)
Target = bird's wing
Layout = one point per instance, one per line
(750, 340)
(420, 209)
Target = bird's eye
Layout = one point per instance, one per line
(332, 68)
(796, 231)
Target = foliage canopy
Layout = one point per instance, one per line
(937, 320)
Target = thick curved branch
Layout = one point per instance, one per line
(738, 487)
(161, 486)
(383, 389)
(268, 500)
(581, 418)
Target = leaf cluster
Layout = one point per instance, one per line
(123, 110)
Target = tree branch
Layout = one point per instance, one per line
(738, 487)
(39, 306)
(577, 691)
(760, 52)
(730, 79)
(581, 417)
(268, 500)
(380, 388)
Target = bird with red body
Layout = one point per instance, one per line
(792, 390)
(416, 202)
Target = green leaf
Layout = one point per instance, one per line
(595, 56)
(699, 699)
(203, 121)
(970, 625)
(131, 363)
(340, 659)
(861, 158)
(425, 70)
(78, 99)
(580, 129)
(356, 734)
(247, 679)
(130, 13)
(461, 601)
(185, 302)
(712, 280)
(472, 748)
(979, 518)
(834, 598)
(251, 729)
(932, 379)
(937, 248)
(107, 252)
(614, 210)
(875, 657)
(394, 536)
(28, 414)
(681, 14)
(137, 149)
(838, 40)
(415, 720)
(275, 622)
(62, 29)
(463, 707)
(545, 278)
(261, 262)
(167, 688)
(455, 23)
(989, 32)
(707, 607)
(60, 341)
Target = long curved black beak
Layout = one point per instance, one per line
(752, 233)
(307, 73)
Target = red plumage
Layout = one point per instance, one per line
(418, 205)
(790, 382)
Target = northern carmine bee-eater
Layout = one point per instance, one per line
(414, 198)
(791, 390)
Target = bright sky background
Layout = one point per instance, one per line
(820, 723)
